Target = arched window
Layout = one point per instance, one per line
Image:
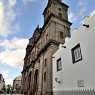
(35, 86)
(45, 63)
(61, 34)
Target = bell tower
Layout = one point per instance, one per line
(56, 8)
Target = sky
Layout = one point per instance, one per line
(18, 20)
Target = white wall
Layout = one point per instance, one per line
(82, 70)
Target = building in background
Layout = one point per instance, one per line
(17, 85)
(2, 84)
(37, 70)
(74, 62)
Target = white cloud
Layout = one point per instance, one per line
(7, 17)
(27, 1)
(80, 2)
(82, 11)
(14, 52)
(12, 3)
(12, 57)
(15, 43)
(72, 17)
(83, 8)
(2, 20)
(1, 11)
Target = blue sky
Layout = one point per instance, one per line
(18, 19)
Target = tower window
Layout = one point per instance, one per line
(76, 53)
(61, 35)
(59, 64)
(59, 9)
(45, 62)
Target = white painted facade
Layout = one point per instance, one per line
(80, 75)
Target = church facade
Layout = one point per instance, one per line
(37, 71)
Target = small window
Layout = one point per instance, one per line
(44, 76)
(45, 62)
(59, 9)
(76, 53)
(59, 64)
(61, 35)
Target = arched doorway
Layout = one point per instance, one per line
(35, 86)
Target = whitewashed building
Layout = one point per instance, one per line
(74, 62)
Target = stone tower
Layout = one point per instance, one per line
(37, 70)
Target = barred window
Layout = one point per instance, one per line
(80, 83)
(76, 53)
